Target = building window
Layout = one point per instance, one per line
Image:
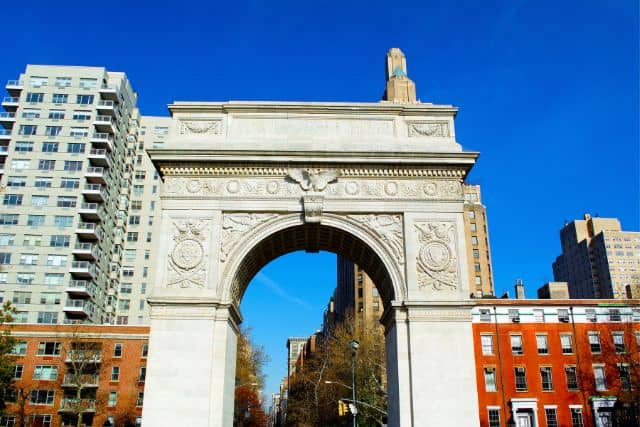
(17, 371)
(20, 348)
(516, 344)
(614, 315)
(49, 348)
(53, 278)
(23, 146)
(566, 341)
(618, 342)
(21, 297)
(81, 115)
(69, 183)
(47, 317)
(63, 221)
(547, 379)
(49, 147)
(59, 241)
(140, 399)
(494, 417)
(490, 379)
(84, 99)
(12, 199)
(576, 417)
(56, 114)
(52, 130)
(115, 373)
(142, 376)
(132, 236)
(43, 182)
(73, 165)
(30, 113)
(63, 81)
(5, 258)
(66, 202)
(34, 97)
(117, 350)
(113, 398)
(521, 378)
(35, 220)
(20, 164)
(75, 147)
(42, 397)
(476, 253)
(600, 378)
(17, 181)
(46, 165)
(625, 376)
(487, 344)
(594, 342)
(25, 278)
(40, 420)
(552, 417)
(134, 220)
(45, 372)
(7, 239)
(538, 315)
(543, 344)
(78, 133)
(59, 98)
(39, 201)
(145, 349)
(590, 313)
(125, 288)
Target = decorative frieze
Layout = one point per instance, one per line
(316, 127)
(189, 259)
(437, 261)
(421, 189)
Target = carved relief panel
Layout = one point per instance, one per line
(437, 263)
(188, 253)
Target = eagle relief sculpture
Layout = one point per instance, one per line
(315, 180)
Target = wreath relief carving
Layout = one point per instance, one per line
(437, 262)
(187, 264)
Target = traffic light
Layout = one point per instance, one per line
(343, 409)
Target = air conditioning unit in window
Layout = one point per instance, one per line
(515, 319)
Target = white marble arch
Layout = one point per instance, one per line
(270, 178)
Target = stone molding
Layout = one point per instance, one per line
(434, 129)
(200, 126)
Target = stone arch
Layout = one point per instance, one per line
(352, 236)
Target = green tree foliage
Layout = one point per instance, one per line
(325, 377)
(250, 361)
(7, 343)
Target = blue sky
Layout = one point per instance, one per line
(548, 93)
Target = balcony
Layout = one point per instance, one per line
(84, 269)
(7, 117)
(86, 251)
(109, 92)
(96, 175)
(14, 87)
(79, 288)
(88, 230)
(76, 308)
(86, 380)
(102, 140)
(94, 193)
(104, 124)
(90, 355)
(100, 157)
(91, 211)
(10, 102)
(106, 107)
(72, 405)
(5, 134)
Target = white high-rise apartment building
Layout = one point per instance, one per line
(79, 197)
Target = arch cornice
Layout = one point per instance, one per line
(393, 262)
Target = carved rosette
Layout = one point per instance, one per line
(437, 129)
(236, 225)
(188, 260)
(200, 127)
(437, 262)
(388, 228)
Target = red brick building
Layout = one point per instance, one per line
(557, 362)
(106, 363)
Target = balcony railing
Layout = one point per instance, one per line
(7, 115)
(106, 104)
(5, 131)
(84, 405)
(14, 83)
(4, 149)
(71, 380)
(98, 152)
(107, 119)
(102, 136)
(10, 100)
(95, 170)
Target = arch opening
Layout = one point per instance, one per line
(314, 238)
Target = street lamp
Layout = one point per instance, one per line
(354, 345)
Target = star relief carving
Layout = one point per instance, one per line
(313, 179)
